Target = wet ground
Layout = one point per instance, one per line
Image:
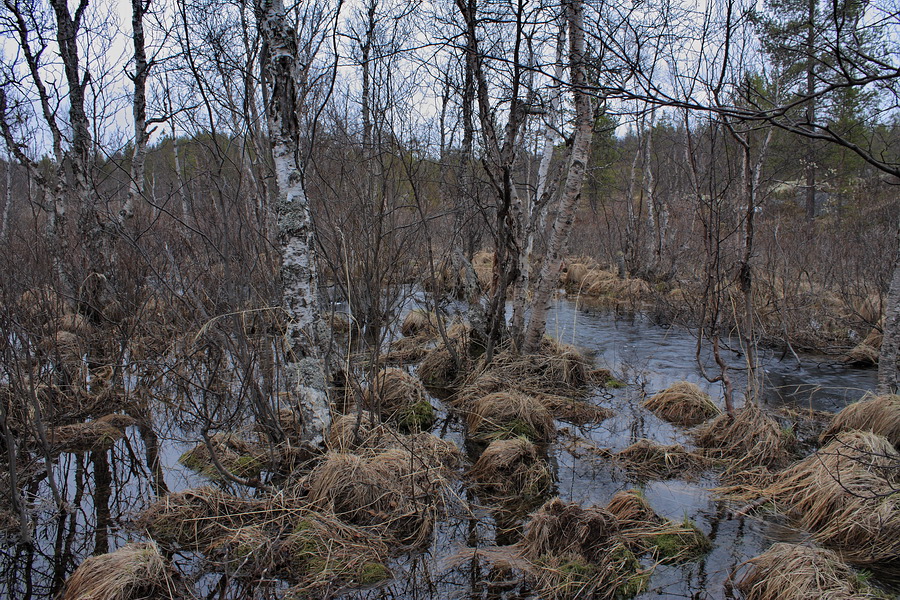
(646, 356)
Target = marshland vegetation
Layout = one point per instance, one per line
(300, 303)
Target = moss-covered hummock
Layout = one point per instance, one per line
(417, 417)
(679, 543)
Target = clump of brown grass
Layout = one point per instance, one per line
(577, 412)
(419, 322)
(245, 551)
(93, 436)
(394, 488)
(652, 460)
(750, 438)
(797, 572)
(363, 430)
(277, 535)
(438, 369)
(559, 528)
(323, 555)
(133, 572)
(436, 453)
(512, 470)
(372, 437)
(238, 456)
(677, 542)
(631, 509)
(878, 414)
(194, 519)
(866, 352)
(400, 398)
(846, 494)
(682, 403)
(407, 350)
(578, 552)
(556, 370)
(507, 415)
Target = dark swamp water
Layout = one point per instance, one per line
(645, 356)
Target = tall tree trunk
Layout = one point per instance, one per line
(810, 167)
(571, 191)
(535, 211)
(304, 360)
(7, 204)
(138, 109)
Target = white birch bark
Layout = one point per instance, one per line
(138, 110)
(535, 210)
(574, 180)
(304, 361)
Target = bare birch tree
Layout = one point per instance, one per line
(305, 362)
(574, 179)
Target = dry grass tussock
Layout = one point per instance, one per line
(360, 431)
(682, 403)
(438, 369)
(512, 470)
(133, 572)
(397, 489)
(554, 375)
(407, 350)
(399, 398)
(585, 277)
(561, 407)
(878, 414)
(846, 495)
(94, 436)
(566, 528)
(195, 518)
(631, 508)
(751, 438)
(645, 531)
(420, 322)
(60, 406)
(507, 415)
(578, 552)
(866, 352)
(797, 572)
(655, 461)
(364, 434)
(279, 535)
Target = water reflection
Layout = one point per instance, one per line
(104, 490)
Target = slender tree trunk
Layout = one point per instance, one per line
(304, 362)
(649, 187)
(536, 209)
(631, 227)
(138, 109)
(571, 191)
(4, 222)
(810, 167)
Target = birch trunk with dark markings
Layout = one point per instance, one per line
(571, 191)
(304, 361)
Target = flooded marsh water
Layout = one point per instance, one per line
(645, 356)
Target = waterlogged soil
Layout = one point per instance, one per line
(645, 356)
